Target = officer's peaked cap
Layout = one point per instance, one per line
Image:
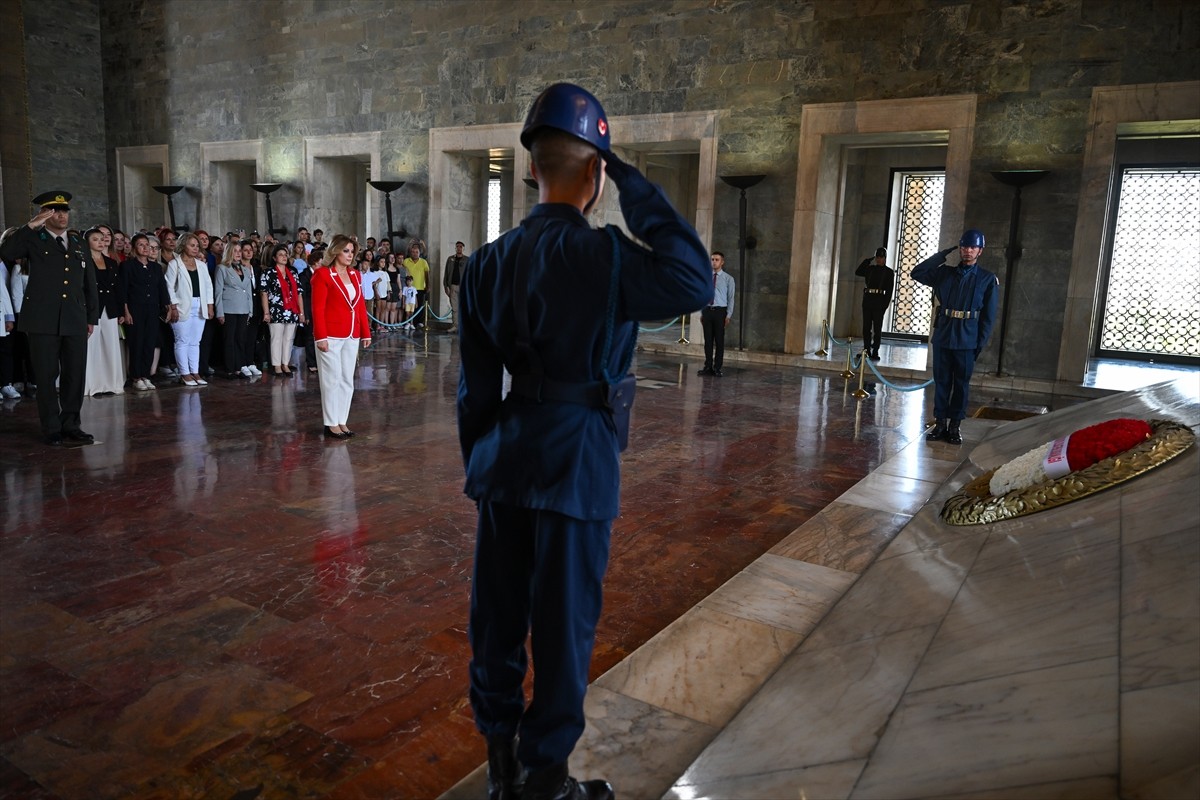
(54, 199)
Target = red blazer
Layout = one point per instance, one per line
(336, 313)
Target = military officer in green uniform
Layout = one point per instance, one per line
(59, 312)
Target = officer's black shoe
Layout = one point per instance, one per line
(705, 371)
(952, 434)
(78, 436)
(874, 355)
(554, 783)
(717, 372)
(938, 433)
(506, 776)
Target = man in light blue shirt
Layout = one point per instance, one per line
(715, 317)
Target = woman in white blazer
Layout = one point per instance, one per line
(191, 293)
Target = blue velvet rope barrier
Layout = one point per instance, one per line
(659, 328)
(831, 338)
(856, 361)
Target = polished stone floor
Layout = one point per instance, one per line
(212, 601)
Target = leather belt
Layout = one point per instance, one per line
(875, 291)
(949, 312)
(594, 395)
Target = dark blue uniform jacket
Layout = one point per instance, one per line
(960, 288)
(561, 456)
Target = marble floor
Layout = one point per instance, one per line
(212, 601)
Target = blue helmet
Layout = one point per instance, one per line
(570, 108)
(972, 238)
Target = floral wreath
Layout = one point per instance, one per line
(1069, 468)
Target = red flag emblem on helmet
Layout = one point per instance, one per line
(602, 126)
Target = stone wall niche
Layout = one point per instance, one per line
(139, 169)
(826, 131)
(227, 202)
(1149, 109)
(336, 195)
(660, 137)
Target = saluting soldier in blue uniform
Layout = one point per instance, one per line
(965, 312)
(60, 309)
(556, 302)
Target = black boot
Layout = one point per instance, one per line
(938, 433)
(952, 434)
(505, 774)
(554, 783)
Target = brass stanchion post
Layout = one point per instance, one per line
(683, 330)
(860, 392)
(848, 372)
(824, 335)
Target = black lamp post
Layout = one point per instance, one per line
(1018, 179)
(387, 187)
(743, 182)
(168, 191)
(265, 189)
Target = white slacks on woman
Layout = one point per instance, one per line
(187, 340)
(335, 370)
(105, 371)
(282, 336)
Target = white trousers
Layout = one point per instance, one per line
(282, 336)
(335, 370)
(187, 340)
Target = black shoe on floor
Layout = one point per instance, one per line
(704, 371)
(554, 783)
(874, 355)
(718, 373)
(953, 436)
(53, 439)
(78, 436)
(332, 434)
(938, 434)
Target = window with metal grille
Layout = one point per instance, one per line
(915, 227)
(493, 209)
(1152, 297)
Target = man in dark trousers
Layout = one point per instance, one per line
(557, 303)
(715, 317)
(962, 324)
(452, 278)
(876, 299)
(61, 307)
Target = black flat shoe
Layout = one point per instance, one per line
(332, 434)
(347, 432)
(78, 436)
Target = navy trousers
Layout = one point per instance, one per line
(951, 380)
(537, 574)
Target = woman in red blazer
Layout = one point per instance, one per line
(339, 318)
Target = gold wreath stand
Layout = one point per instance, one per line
(974, 505)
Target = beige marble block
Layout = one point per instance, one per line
(1034, 727)
(1160, 739)
(781, 592)
(822, 706)
(825, 781)
(703, 666)
(1160, 611)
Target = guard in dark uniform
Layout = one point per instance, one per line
(877, 296)
(59, 312)
(963, 318)
(556, 302)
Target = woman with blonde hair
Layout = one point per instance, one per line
(339, 325)
(234, 293)
(191, 293)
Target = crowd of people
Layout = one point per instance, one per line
(184, 307)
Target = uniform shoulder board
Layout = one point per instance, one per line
(997, 280)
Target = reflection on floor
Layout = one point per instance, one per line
(212, 600)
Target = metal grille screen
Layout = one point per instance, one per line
(918, 224)
(1153, 302)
